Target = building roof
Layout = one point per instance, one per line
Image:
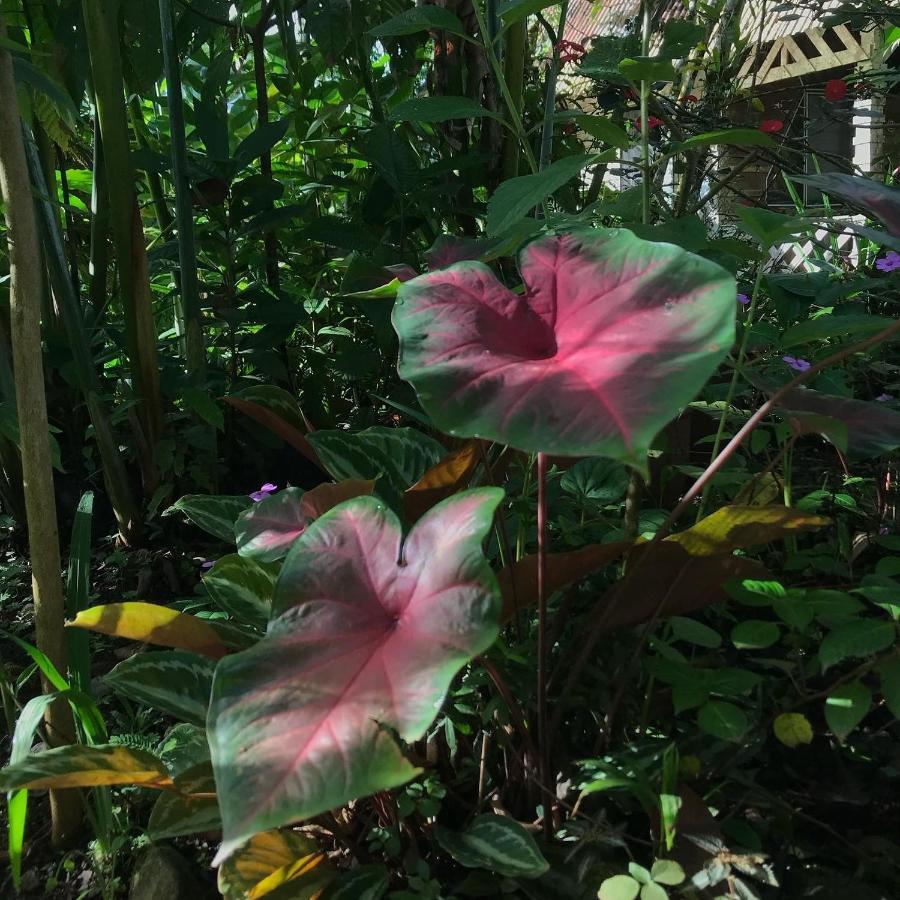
(615, 18)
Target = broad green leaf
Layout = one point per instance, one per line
(793, 729)
(855, 640)
(736, 137)
(422, 18)
(875, 197)
(639, 873)
(653, 891)
(78, 766)
(680, 37)
(368, 631)
(846, 706)
(215, 515)
(755, 634)
(611, 337)
(890, 685)
(605, 130)
(694, 632)
(512, 11)
(192, 811)
(396, 458)
(172, 681)
(619, 887)
(829, 326)
(261, 141)
(440, 109)
(243, 587)
(603, 480)
(735, 527)
(769, 227)
(667, 871)
(723, 720)
(516, 197)
(496, 843)
(266, 531)
(329, 23)
(153, 624)
(363, 883)
(647, 68)
(258, 858)
(183, 748)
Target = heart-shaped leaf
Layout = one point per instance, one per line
(368, 631)
(611, 338)
(266, 531)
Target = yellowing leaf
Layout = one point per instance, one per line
(793, 729)
(450, 475)
(292, 872)
(77, 766)
(153, 624)
(261, 859)
(733, 527)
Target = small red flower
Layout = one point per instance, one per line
(690, 98)
(652, 122)
(569, 128)
(835, 89)
(569, 51)
(629, 94)
(771, 126)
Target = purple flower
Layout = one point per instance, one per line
(797, 364)
(263, 492)
(207, 564)
(890, 262)
(743, 299)
(884, 398)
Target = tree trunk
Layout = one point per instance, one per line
(40, 506)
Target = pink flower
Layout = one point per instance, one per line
(890, 262)
(771, 126)
(797, 364)
(835, 90)
(263, 492)
(884, 398)
(743, 299)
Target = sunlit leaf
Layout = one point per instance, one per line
(846, 706)
(78, 766)
(384, 640)
(735, 527)
(153, 624)
(612, 337)
(450, 475)
(793, 729)
(266, 531)
(259, 858)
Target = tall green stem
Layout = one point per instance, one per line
(101, 30)
(514, 76)
(550, 100)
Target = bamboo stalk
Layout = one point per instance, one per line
(101, 30)
(40, 504)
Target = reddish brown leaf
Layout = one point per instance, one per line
(518, 582)
(680, 582)
(450, 475)
(278, 425)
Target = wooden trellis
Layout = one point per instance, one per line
(785, 58)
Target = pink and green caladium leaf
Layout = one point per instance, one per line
(266, 531)
(612, 336)
(367, 633)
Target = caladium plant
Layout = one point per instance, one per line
(367, 632)
(612, 336)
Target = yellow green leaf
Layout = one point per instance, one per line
(265, 858)
(308, 867)
(153, 624)
(733, 527)
(78, 766)
(793, 729)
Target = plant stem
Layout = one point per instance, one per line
(514, 74)
(732, 388)
(543, 737)
(646, 187)
(550, 101)
(40, 504)
(511, 105)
